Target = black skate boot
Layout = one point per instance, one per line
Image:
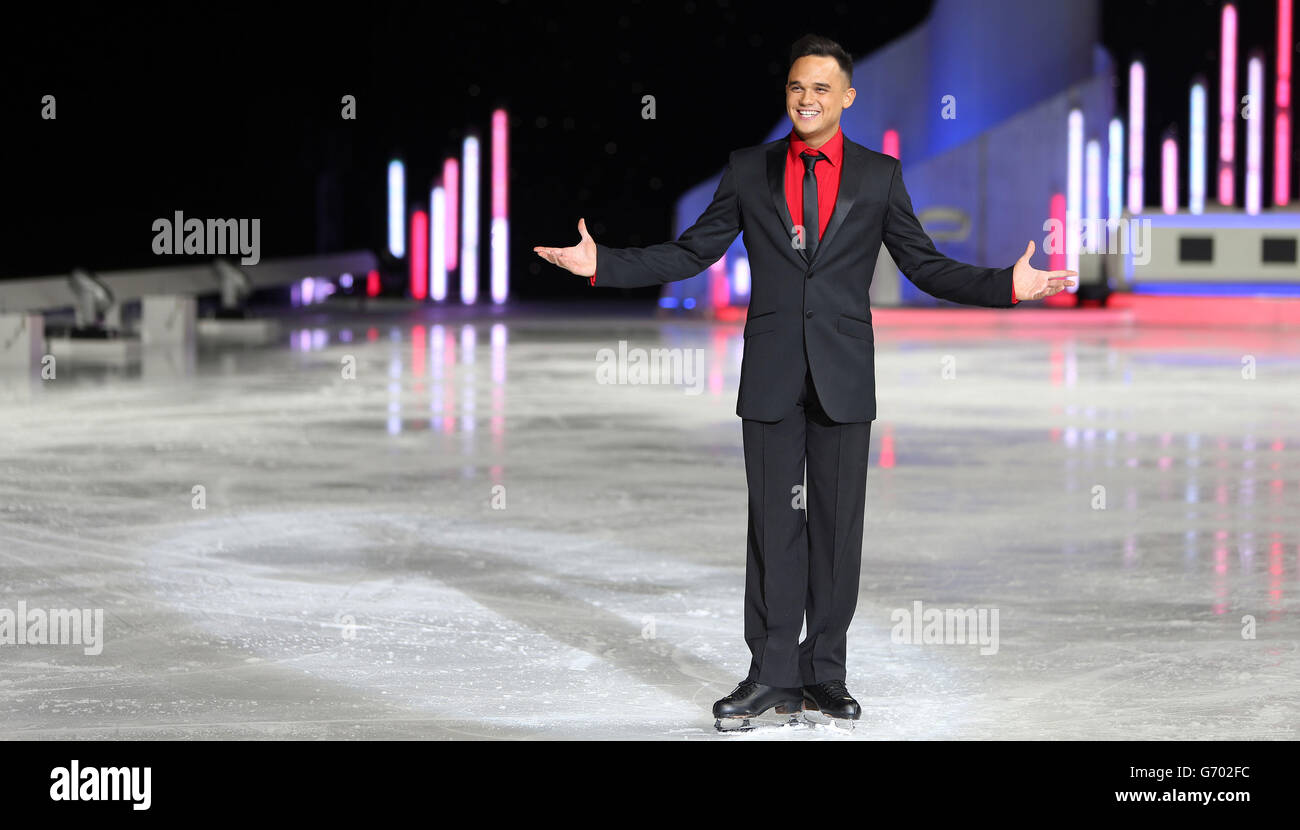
(751, 699)
(830, 702)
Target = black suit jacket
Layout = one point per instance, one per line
(798, 306)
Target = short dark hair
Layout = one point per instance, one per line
(823, 47)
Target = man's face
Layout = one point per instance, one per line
(816, 92)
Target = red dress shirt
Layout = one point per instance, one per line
(828, 179)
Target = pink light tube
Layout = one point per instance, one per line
(451, 186)
(500, 229)
(889, 144)
(1282, 124)
(419, 254)
(1136, 135)
(1169, 175)
(1227, 103)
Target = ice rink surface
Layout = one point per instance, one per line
(475, 538)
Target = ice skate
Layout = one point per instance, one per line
(737, 711)
(830, 704)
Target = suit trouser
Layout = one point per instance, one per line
(799, 563)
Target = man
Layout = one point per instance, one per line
(815, 208)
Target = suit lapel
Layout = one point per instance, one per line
(850, 184)
(776, 155)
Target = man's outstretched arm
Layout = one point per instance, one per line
(699, 246)
(948, 279)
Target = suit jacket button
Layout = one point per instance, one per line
(809, 274)
(808, 315)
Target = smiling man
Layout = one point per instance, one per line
(815, 208)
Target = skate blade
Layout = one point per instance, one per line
(751, 723)
(734, 724)
(815, 717)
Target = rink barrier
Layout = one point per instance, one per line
(55, 292)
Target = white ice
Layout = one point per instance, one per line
(351, 577)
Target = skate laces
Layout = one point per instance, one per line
(835, 688)
(742, 690)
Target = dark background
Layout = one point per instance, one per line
(233, 111)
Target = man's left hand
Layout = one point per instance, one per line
(1032, 284)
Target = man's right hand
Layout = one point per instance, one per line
(580, 259)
